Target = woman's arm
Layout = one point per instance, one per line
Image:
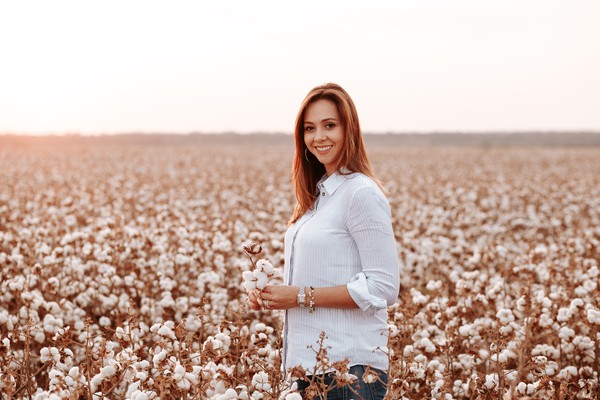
(370, 225)
(283, 297)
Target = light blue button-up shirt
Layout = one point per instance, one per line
(346, 239)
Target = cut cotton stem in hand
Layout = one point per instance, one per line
(258, 278)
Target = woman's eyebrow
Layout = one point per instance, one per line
(323, 120)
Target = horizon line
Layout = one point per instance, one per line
(273, 133)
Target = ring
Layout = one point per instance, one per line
(266, 304)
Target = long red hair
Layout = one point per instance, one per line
(306, 169)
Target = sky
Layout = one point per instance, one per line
(245, 66)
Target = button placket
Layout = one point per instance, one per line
(289, 282)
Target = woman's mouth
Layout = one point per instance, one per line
(323, 149)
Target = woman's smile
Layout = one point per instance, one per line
(323, 149)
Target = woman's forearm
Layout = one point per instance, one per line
(283, 297)
(333, 297)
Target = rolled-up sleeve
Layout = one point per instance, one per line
(369, 223)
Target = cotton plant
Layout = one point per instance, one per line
(504, 273)
(262, 272)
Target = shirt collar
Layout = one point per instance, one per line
(331, 183)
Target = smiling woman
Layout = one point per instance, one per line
(341, 266)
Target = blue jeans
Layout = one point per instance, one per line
(357, 390)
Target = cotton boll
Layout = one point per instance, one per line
(159, 358)
(230, 394)
(434, 285)
(55, 354)
(511, 376)
(505, 316)
(551, 368)
(260, 381)
(593, 316)
(584, 343)
(545, 320)
(193, 324)
(521, 303)
(418, 297)
(522, 388)
(48, 354)
(546, 302)
(225, 340)
(74, 372)
(139, 395)
(427, 345)
(120, 333)
(248, 276)
(108, 371)
(260, 327)
(165, 331)
(576, 303)
(250, 280)
(566, 333)
(262, 279)
(505, 330)
(564, 314)
(531, 388)
(45, 355)
(96, 381)
(264, 266)
(212, 344)
(465, 330)
(491, 381)
(3, 317)
(539, 360)
(420, 359)
(568, 372)
(39, 337)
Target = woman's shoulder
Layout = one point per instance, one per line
(359, 182)
(365, 197)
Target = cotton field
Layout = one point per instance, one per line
(121, 271)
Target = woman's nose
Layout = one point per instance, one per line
(320, 134)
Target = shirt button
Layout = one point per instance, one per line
(323, 194)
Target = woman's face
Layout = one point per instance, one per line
(323, 133)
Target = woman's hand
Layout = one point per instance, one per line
(254, 301)
(280, 297)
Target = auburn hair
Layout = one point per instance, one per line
(306, 169)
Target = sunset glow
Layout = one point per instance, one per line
(77, 67)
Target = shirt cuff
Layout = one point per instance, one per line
(359, 291)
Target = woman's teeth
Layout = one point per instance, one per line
(324, 148)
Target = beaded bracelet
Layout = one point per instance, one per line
(311, 300)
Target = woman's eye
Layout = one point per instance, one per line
(330, 125)
(308, 128)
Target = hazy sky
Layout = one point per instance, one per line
(182, 66)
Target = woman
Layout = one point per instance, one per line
(341, 265)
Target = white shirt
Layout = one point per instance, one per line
(346, 239)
